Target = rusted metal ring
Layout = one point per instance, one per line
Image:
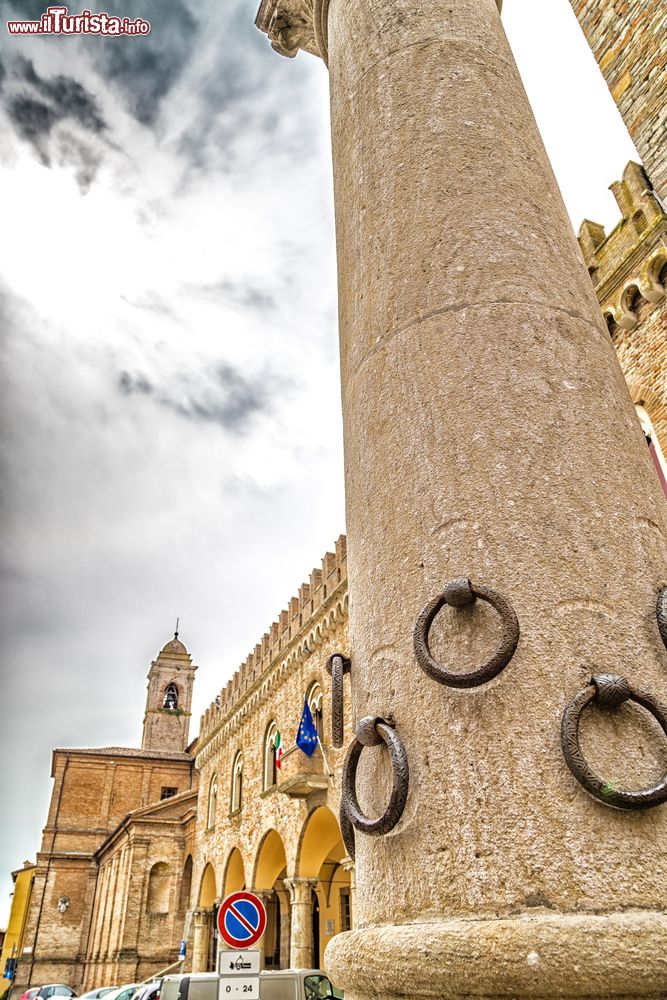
(661, 614)
(609, 691)
(458, 593)
(350, 810)
(337, 665)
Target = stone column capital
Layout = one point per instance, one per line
(299, 24)
(300, 889)
(295, 24)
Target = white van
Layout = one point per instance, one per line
(194, 986)
(286, 984)
(297, 984)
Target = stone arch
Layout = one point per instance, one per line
(186, 885)
(270, 861)
(159, 885)
(321, 864)
(320, 837)
(628, 304)
(207, 887)
(268, 880)
(234, 877)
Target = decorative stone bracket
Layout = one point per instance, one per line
(299, 24)
(295, 24)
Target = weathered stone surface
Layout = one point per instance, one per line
(488, 433)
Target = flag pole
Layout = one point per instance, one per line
(326, 762)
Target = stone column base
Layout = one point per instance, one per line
(538, 956)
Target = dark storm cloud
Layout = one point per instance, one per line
(34, 109)
(45, 111)
(145, 70)
(230, 399)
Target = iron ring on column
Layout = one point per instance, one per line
(337, 666)
(457, 593)
(661, 614)
(609, 691)
(372, 731)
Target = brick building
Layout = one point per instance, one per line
(94, 792)
(141, 844)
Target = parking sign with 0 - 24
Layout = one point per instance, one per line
(244, 987)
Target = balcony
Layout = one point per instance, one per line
(301, 775)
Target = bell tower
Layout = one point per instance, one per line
(169, 698)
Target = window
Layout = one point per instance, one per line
(319, 988)
(237, 783)
(212, 802)
(345, 910)
(159, 878)
(270, 769)
(314, 699)
(170, 697)
(167, 792)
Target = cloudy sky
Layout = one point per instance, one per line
(171, 438)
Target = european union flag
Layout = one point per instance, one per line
(306, 738)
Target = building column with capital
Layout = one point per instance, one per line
(203, 929)
(301, 936)
(489, 435)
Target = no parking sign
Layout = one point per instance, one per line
(241, 920)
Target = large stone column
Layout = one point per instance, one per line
(203, 921)
(301, 937)
(488, 433)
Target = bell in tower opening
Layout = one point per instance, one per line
(170, 697)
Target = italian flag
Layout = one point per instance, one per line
(279, 749)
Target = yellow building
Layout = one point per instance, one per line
(12, 948)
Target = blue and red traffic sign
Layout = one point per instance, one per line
(241, 920)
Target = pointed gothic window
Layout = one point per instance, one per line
(314, 699)
(237, 783)
(212, 802)
(170, 697)
(270, 769)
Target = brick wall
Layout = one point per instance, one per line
(629, 41)
(628, 268)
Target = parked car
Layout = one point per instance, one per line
(30, 994)
(149, 991)
(44, 992)
(97, 994)
(123, 992)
